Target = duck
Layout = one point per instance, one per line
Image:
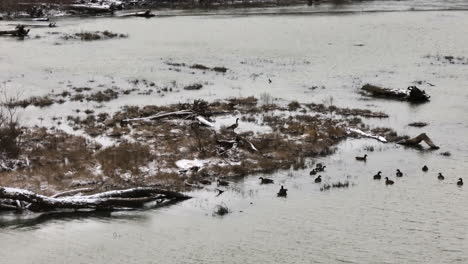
(399, 173)
(388, 182)
(425, 168)
(378, 176)
(265, 180)
(441, 177)
(269, 80)
(460, 182)
(319, 165)
(313, 172)
(321, 168)
(219, 192)
(318, 179)
(234, 126)
(223, 183)
(282, 192)
(364, 158)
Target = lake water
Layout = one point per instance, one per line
(418, 220)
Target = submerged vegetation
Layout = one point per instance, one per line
(96, 35)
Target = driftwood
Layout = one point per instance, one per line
(146, 14)
(50, 25)
(412, 94)
(159, 115)
(364, 134)
(416, 140)
(19, 31)
(19, 199)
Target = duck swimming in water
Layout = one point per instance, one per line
(441, 177)
(364, 158)
(265, 180)
(313, 172)
(282, 192)
(425, 168)
(460, 182)
(399, 173)
(378, 176)
(321, 168)
(388, 182)
(318, 179)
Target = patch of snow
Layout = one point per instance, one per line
(187, 164)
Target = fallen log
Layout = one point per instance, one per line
(112, 200)
(145, 14)
(364, 134)
(418, 139)
(19, 31)
(159, 115)
(50, 25)
(72, 192)
(411, 94)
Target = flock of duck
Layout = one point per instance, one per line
(320, 168)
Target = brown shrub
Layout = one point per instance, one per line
(127, 157)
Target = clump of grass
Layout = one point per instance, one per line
(39, 101)
(199, 67)
(446, 154)
(294, 105)
(126, 157)
(221, 210)
(88, 36)
(103, 96)
(93, 36)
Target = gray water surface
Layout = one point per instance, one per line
(418, 220)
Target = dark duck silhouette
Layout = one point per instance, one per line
(378, 176)
(265, 180)
(313, 172)
(320, 169)
(388, 182)
(282, 192)
(441, 177)
(219, 192)
(399, 173)
(234, 126)
(460, 182)
(364, 158)
(425, 168)
(223, 183)
(318, 179)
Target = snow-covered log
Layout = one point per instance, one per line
(112, 200)
(364, 134)
(159, 115)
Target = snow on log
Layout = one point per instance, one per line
(203, 121)
(159, 115)
(112, 200)
(362, 133)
